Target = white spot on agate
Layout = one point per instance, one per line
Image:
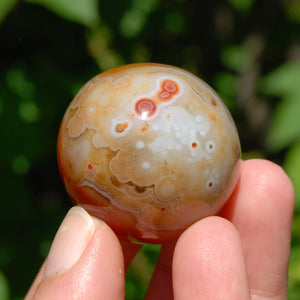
(198, 119)
(92, 109)
(146, 165)
(210, 146)
(140, 144)
(155, 127)
(178, 134)
(179, 129)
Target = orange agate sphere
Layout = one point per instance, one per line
(150, 149)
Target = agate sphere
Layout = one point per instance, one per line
(150, 149)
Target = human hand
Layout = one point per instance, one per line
(243, 257)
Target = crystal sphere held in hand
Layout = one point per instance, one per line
(150, 149)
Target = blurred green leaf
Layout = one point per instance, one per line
(152, 252)
(140, 272)
(4, 287)
(5, 7)
(283, 81)
(132, 22)
(20, 164)
(285, 126)
(28, 111)
(134, 19)
(83, 12)
(44, 247)
(236, 58)
(99, 45)
(294, 273)
(1, 106)
(292, 167)
(175, 23)
(18, 83)
(226, 85)
(241, 5)
(293, 9)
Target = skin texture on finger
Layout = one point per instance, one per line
(261, 208)
(160, 287)
(98, 274)
(209, 263)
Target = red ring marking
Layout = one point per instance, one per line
(164, 95)
(170, 86)
(145, 108)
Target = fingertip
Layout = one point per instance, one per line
(265, 176)
(208, 227)
(262, 185)
(97, 272)
(70, 241)
(208, 262)
(209, 236)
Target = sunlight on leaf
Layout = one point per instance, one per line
(99, 46)
(5, 7)
(83, 12)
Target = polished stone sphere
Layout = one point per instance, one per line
(150, 149)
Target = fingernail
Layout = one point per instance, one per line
(70, 241)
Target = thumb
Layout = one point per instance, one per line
(85, 262)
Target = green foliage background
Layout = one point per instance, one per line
(248, 51)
